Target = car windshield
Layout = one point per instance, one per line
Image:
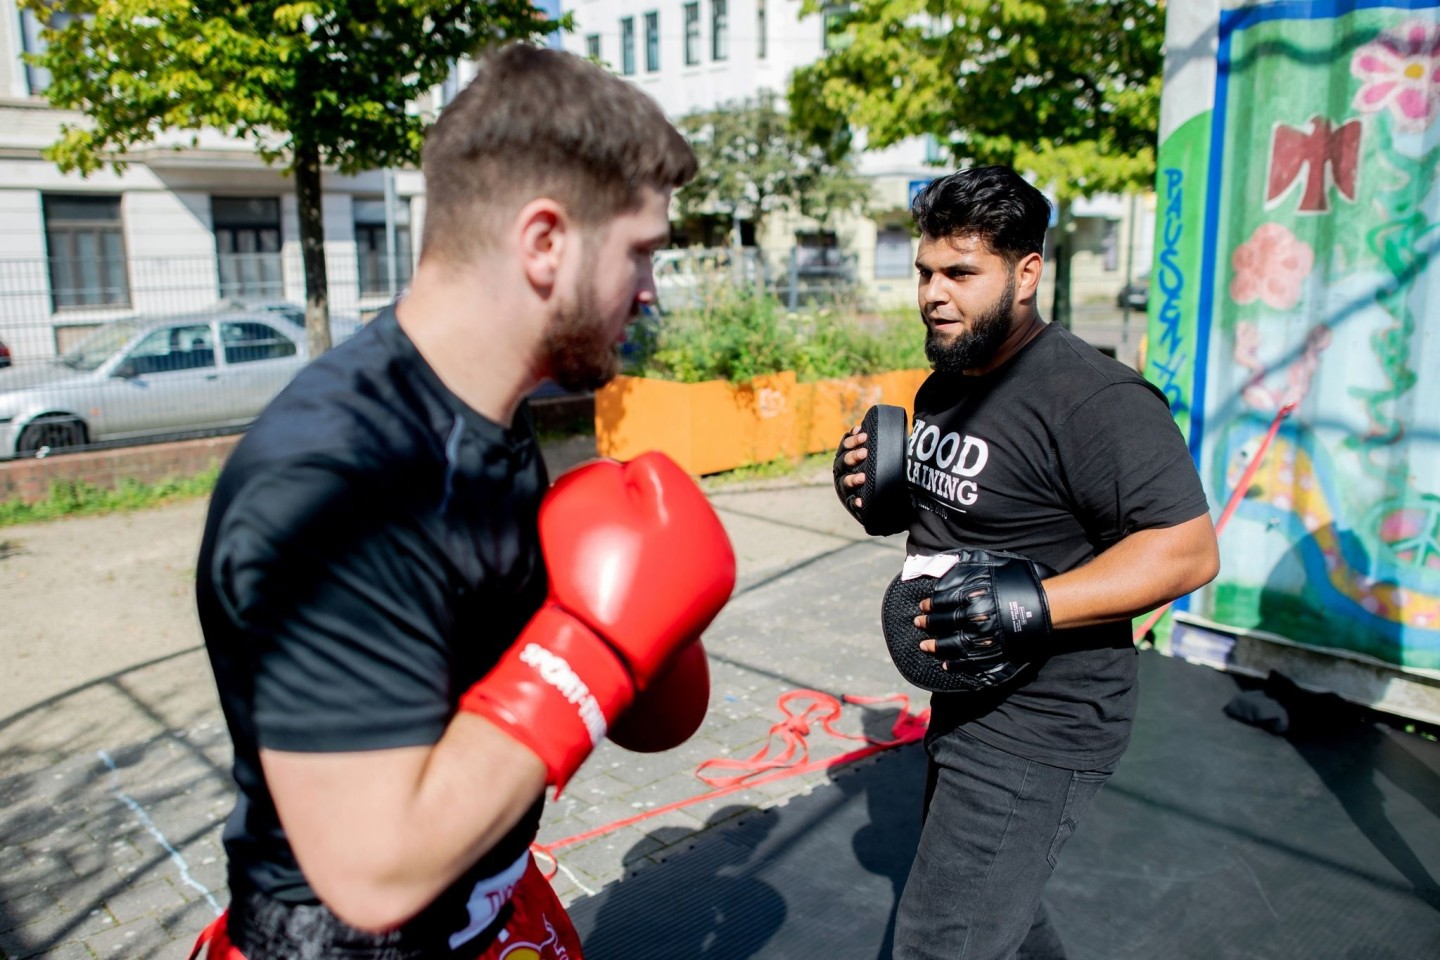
(100, 345)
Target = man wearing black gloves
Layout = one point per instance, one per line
(1052, 498)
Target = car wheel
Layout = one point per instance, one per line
(52, 432)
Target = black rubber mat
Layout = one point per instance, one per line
(1214, 840)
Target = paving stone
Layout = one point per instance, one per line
(70, 950)
(17, 911)
(143, 899)
(51, 927)
(595, 862)
(186, 921)
(143, 937)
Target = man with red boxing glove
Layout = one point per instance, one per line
(412, 634)
(1049, 497)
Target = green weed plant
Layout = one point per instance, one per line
(737, 333)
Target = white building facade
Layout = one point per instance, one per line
(693, 55)
(697, 54)
(193, 222)
(184, 227)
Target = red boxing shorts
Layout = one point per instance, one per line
(538, 929)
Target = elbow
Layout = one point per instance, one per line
(368, 907)
(1203, 567)
(370, 896)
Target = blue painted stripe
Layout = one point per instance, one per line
(1231, 20)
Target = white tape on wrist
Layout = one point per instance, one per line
(919, 566)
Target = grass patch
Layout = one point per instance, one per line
(780, 469)
(69, 498)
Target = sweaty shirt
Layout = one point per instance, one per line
(1056, 455)
(370, 551)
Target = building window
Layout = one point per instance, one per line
(86, 245)
(247, 247)
(893, 260)
(760, 32)
(372, 253)
(719, 31)
(592, 46)
(627, 46)
(934, 152)
(652, 42)
(692, 34)
(837, 35)
(38, 78)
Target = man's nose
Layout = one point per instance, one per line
(647, 294)
(932, 291)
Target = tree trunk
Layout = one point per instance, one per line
(1060, 306)
(312, 248)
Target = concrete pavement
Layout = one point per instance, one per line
(113, 789)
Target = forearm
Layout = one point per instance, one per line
(380, 834)
(1145, 570)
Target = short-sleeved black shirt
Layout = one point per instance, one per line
(1055, 456)
(370, 551)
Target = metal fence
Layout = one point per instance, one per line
(808, 276)
(101, 354)
(49, 305)
(164, 347)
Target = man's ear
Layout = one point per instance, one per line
(1027, 276)
(542, 232)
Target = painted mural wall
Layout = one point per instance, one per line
(1299, 211)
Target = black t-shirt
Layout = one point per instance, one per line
(371, 550)
(1055, 456)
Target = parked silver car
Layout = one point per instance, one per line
(149, 377)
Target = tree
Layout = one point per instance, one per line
(1067, 91)
(752, 162)
(310, 84)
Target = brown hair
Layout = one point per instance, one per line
(539, 122)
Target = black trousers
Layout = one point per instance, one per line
(994, 828)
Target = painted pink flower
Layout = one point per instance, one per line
(1271, 266)
(1399, 71)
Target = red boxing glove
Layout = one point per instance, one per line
(639, 565)
(672, 709)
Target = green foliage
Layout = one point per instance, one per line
(741, 332)
(1067, 91)
(841, 345)
(69, 498)
(309, 84)
(752, 162)
(779, 469)
(334, 76)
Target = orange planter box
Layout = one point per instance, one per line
(714, 426)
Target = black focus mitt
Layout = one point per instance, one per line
(885, 506)
(987, 613)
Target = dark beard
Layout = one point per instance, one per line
(977, 346)
(582, 355)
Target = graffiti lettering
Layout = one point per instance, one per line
(1171, 279)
